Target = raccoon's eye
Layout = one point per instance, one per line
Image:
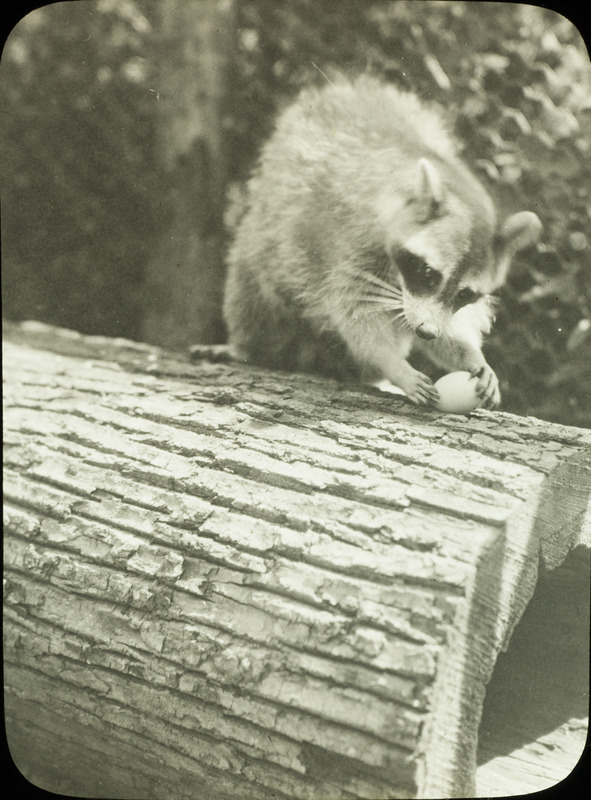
(418, 276)
(466, 296)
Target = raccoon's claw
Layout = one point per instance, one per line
(422, 392)
(488, 386)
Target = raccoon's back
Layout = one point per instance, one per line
(311, 220)
(331, 154)
(366, 115)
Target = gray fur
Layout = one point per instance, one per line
(353, 173)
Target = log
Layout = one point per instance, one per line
(223, 582)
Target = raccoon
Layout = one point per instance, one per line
(365, 237)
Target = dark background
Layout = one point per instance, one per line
(127, 123)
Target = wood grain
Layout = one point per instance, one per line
(222, 582)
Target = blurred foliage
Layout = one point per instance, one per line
(79, 189)
(81, 186)
(516, 80)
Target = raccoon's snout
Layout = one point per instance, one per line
(426, 330)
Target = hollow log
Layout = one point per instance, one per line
(222, 582)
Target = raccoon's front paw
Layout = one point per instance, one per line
(488, 386)
(420, 389)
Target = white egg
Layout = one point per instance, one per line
(457, 393)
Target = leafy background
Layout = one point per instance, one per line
(82, 182)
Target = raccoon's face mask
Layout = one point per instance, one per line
(453, 257)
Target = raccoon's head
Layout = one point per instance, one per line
(452, 254)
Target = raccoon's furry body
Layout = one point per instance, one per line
(365, 235)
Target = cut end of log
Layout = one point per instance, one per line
(535, 719)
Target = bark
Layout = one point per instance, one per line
(185, 276)
(222, 582)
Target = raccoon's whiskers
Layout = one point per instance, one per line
(385, 288)
(390, 302)
(387, 297)
(393, 308)
(379, 292)
(382, 307)
(389, 288)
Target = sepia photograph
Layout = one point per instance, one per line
(296, 301)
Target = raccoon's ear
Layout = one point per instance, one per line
(428, 191)
(519, 231)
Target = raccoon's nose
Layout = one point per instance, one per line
(427, 331)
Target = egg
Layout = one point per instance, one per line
(457, 393)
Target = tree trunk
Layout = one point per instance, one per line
(226, 583)
(184, 279)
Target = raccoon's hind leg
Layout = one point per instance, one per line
(216, 353)
(259, 331)
(270, 329)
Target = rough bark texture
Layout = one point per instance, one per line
(222, 582)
